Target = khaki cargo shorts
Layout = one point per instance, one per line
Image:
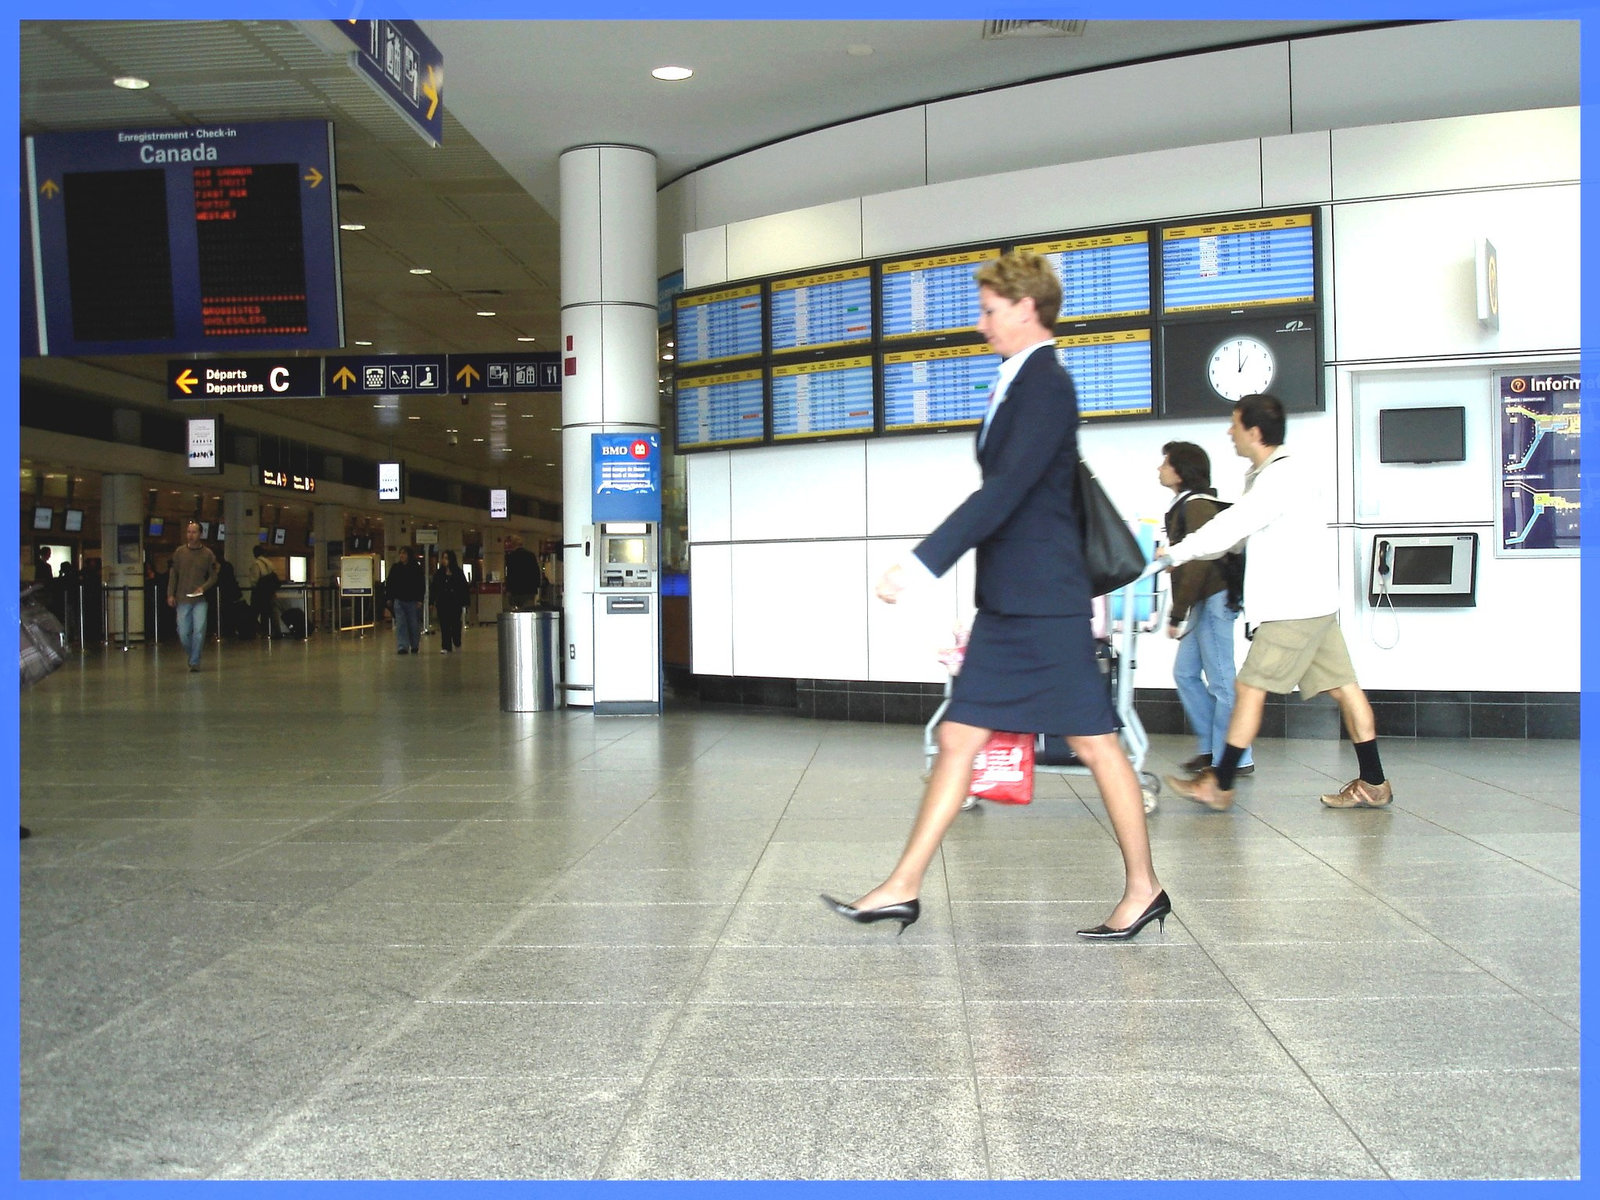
(1309, 652)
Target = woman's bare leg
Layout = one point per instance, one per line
(1119, 788)
(948, 786)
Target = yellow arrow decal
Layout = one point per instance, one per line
(312, 176)
(344, 377)
(186, 381)
(430, 89)
(467, 374)
(49, 188)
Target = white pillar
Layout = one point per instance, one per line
(327, 522)
(122, 506)
(241, 513)
(608, 327)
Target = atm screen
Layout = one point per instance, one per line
(625, 550)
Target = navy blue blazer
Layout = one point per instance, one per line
(1024, 518)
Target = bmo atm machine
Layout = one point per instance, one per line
(627, 579)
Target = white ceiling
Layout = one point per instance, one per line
(481, 209)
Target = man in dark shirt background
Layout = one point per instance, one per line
(403, 593)
(524, 578)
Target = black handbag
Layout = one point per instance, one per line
(1111, 553)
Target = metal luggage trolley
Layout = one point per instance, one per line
(1118, 650)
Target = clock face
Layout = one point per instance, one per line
(1241, 366)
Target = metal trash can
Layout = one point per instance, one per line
(530, 658)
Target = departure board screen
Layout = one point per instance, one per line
(822, 399)
(1238, 264)
(198, 239)
(1112, 372)
(719, 326)
(830, 309)
(1102, 276)
(922, 297)
(727, 409)
(936, 388)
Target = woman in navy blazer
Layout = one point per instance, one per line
(1030, 664)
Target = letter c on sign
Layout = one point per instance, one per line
(278, 379)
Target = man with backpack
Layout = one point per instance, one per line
(1292, 580)
(1206, 597)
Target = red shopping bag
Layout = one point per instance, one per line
(1003, 770)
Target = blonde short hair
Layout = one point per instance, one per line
(1018, 274)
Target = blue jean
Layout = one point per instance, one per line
(1203, 673)
(192, 628)
(407, 624)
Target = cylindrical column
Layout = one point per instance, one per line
(327, 522)
(122, 512)
(608, 326)
(241, 514)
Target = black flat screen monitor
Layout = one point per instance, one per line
(1422, 435)
(1103, 276)
(43, 517)
(826, 398)
(832, 308)
(1242, 263)
(1112, 373)
(718, 326)
(156, 528)
(74, 520)
(934, 294)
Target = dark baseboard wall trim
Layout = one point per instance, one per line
(1407, 714)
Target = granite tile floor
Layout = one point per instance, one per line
(322, 911)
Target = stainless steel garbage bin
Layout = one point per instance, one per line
(530, 661)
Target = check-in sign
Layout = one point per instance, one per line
(244, 379)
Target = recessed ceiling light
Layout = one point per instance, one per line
(422, 270)
(353, 226)
(666, 358)
(549, 464)
(359, 342)
(477, 439)
(132, 82)
(484, 313)
(672, 74)
(413, 418)
(526, 339)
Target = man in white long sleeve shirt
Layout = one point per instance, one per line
(1291, 599)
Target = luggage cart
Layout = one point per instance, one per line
(1117, 650)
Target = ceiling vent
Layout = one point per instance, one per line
(993, 31)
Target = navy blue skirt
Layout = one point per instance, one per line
(1032, 675)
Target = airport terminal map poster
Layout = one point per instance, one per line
(1539, 462)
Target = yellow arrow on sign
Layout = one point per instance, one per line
(50, 187)
(312, 176)
(430, 89)
(467, 374)
(186, 381)
(344, 377)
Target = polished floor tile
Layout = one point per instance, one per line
(322, 913)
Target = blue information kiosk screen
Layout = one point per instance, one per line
(721, 410)
(930, 389)
(189, 240)
(1111, 372)
(1102, 276)
(1238, 264)
(923, 297)
(830, 309)
(719, 326)
(821, 399)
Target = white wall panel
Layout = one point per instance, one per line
(914, 482)
(1226, 96)
(1072, 196)
(825, 233)
(1417, 72)
(812, 491)
(710, 496)
(875, 154)
(705, 257)
(1455, 153)
(1406, 273)
(711, 609)
(674, 218)
(800, 610)
(906, 636)
(1296, 169)
(1442, 493)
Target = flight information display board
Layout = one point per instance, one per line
(1540, 456)
(1238, 264)
(1112, 372)
(938, 387)
(822, 399)
(189, 240)
(1102, 276)
(727, 409)
(719, 326)
(922, 297)
(830, 309)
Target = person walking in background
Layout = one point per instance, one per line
(1203, 610)
(1292, 594)
(403, 595)
(524, 577)
(192, 572)
(1030, 663)
(264, 584)
(450, 596)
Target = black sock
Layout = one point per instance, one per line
(1231, 755)
(1367, 756)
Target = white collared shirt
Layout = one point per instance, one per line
(1002, 383)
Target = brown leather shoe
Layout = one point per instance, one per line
(1358, 793)
(1198, 763)
(1203, 789)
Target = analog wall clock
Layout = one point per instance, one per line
(1209, 365)
(1241, 366)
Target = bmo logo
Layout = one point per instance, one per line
(641, 448)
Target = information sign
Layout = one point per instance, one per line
(205, 445)
(931, 389)
(504, 372)
(385, 375)
(404, 67)
(1111, 372)
(1239, 264)
(932, 295)
(726, 409)
(244, 379)
(1540, 455)
(1102, 276)
(626, 469)
(822, 399)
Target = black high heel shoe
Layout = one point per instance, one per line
(906, 912)
(1160, 909)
